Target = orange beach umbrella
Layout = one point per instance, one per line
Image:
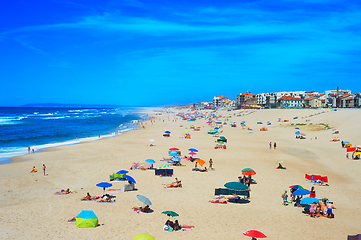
(200, 161)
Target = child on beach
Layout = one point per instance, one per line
(210, 163)
(44, 167)
(34, 170)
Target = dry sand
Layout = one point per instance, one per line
(29, 209)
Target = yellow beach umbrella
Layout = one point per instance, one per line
(186, 131)
(143, 236)
(281, 161)
(357, 153)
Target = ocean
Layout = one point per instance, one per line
(43, 127)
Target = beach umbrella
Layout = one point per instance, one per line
(357, 153)
(104, 185)
(193, 150)
(302, 134)
(143, 236)
(249, 173)
(249, 129)
(297, 133)
(235, 186)
(297, 128)
(254, 234)
(175, 159)
(170, 213)
(192, 153)
(174, 154)
(144, 200)
(168, 132)
(173, 149)
(301, 192)
(297, 187)
(129, 178)
(281, 161)
(186, 131)
(122, 172)
(152, 140)
(346, 142)
(248, 169)
(309, 200)
(86, 219)
(164, 166)
(150, 161)
(200, 161)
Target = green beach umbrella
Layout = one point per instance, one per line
(235, 186)
(143, 236)
(248, 169)
(170, 213)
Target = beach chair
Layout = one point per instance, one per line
(129, 187)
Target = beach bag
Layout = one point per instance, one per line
(168, 228)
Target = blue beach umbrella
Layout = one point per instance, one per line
(168, 132)
(129, 178)
(150, 161)
(175, 154)
(122, 172)
(297, 128)
(193, 150)
(144, 200)
(301, 192)
(250, 129)
(297, 133)
(104, 185)
(309, 200)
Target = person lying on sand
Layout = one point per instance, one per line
(178, 226)
(145, 209)
(63, 192)
(222, 199)
(89, 197)
(106, 198)
(320, 182)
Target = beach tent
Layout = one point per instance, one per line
(86, 219)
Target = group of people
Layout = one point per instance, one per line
(34, 170)
(174, 226)
(246, 180)
(274, 145)
(315, 209)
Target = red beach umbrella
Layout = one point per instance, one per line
(249, 173)
(254, 234)
(351, 149)
(192, 153)
(173, 149)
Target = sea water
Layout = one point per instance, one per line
(44, 127)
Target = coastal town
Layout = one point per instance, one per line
(297, 99)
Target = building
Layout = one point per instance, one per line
(268, 100)
(290, 102)
(220, 101)
(243, 98)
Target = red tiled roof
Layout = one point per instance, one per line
(289, 98)
(247, 94)
(323, 100)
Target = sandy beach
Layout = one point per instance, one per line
(29, 209)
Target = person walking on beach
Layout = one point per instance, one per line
(44, 167)
(28, 149)
(270, 145)
(274, 145)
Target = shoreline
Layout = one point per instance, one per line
(143, 116)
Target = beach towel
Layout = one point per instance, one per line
(115, 190)
(219, 202)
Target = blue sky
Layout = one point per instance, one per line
(147, 53)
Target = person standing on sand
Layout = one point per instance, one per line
(270, 145)
(44, 167)
(28, 149)
(274, 145)
(284, 197)
(210, 163)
